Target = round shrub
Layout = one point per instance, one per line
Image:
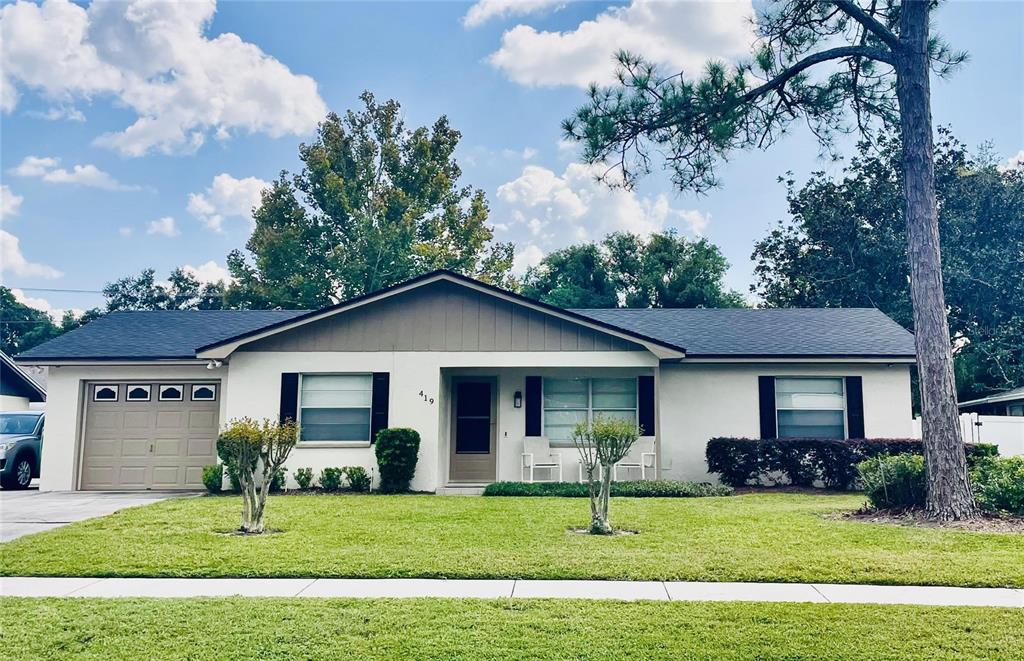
(213, 477)
(358, 478)
(303, 477)
(397, 450)
(330, 479)
(894, 482)
(998, 484)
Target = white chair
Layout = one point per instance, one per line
(579, 464)
(537, 454)
(641, 457)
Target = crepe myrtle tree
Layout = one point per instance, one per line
(257, 449)
(842, 66)
(601, 445)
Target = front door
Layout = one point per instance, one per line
(472, 431)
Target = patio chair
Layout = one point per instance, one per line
(537, 454)
(641, 457)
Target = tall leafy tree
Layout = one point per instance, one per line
(23, 327)
(841, 65)
(844, 246)
(182, 291)
(664, 270)
(375, 203)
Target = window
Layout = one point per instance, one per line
(568, 402)
(104, 394)
(172, 393)
(204, 393)
(810, 407)
(335, 407)
(1015, 410)
(137, 393)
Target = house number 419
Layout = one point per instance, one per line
(428, 400)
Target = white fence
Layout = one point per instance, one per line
(1003, 430)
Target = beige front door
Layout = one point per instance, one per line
(474, 408)
(149, 435)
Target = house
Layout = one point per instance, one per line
(136, 398)
(18, 391)
(1008, 402)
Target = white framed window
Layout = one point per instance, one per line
(810, 407)
(105, 393)
(171, 392)
(1015, 410)
(137, 393)
(568, 402)
(204, 392)
(335, 407)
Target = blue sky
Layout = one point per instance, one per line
(86, 200)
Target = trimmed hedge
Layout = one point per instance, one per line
(397, 450)
(632, 489)
(894, 482)
(806, 462)
(998, 484)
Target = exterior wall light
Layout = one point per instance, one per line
(517, 399)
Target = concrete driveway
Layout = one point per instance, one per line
(30, 511)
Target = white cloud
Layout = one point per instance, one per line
(125, 231)
(211, 271)
(679, 35)
(226, 197)
(552, 211)
(1015, 161)
(44, 305)
(163, 226)
(155, 59)
(527, 256)
(485, 10)
(10, 203)
(12, 261)
(56, 113)
(45, 167)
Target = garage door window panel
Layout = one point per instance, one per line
(105, 393)
(137, 393)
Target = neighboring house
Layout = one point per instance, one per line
(18, 392)
(136, 398)
(1008, 402)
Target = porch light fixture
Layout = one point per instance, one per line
(517, 400)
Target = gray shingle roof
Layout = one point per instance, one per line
(164, 334)
(772, 332)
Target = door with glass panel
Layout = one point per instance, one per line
(472, 457)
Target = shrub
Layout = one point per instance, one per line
(213, 477)
(894, 482)
(233, 480)
(632, 489)
(808, 461)
(331, 478)
(303, 477)
(358, 478)
(277, 480)
(397, 450)
(998, 484)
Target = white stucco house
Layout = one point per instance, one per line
(484, 375)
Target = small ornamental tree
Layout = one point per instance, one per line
(602, 445)
(257, 450)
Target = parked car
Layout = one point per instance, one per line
(21, 439)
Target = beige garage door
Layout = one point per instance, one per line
(149, 435)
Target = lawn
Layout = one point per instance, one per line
(753, 537)
(477, 629)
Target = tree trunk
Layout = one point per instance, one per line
(600, 524)
(949, 493)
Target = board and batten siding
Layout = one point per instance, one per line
(442, 317)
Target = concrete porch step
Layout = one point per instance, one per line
(461, 490)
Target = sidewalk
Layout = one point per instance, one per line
(490, 589)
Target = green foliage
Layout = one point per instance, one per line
(358, 478)
(894, 482)
(998, 484)
(397, 451)
(303, 477)
(232, 471)
(23, 327)
(844, 245)
(664, 270)
(213, 477)
(331, 479)
(375, 203)
(183, 291)
(633, 489)
(277, 480)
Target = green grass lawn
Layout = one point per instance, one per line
(755, 537)
(478, 629)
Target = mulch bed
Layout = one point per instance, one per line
(993, 523)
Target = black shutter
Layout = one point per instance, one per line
(379, 405)
(645, 404)
(854, 407)
(766, 397)
(289, 396)
(533, 402)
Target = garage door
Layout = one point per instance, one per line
(149, 435)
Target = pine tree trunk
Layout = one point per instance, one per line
(949, 493)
